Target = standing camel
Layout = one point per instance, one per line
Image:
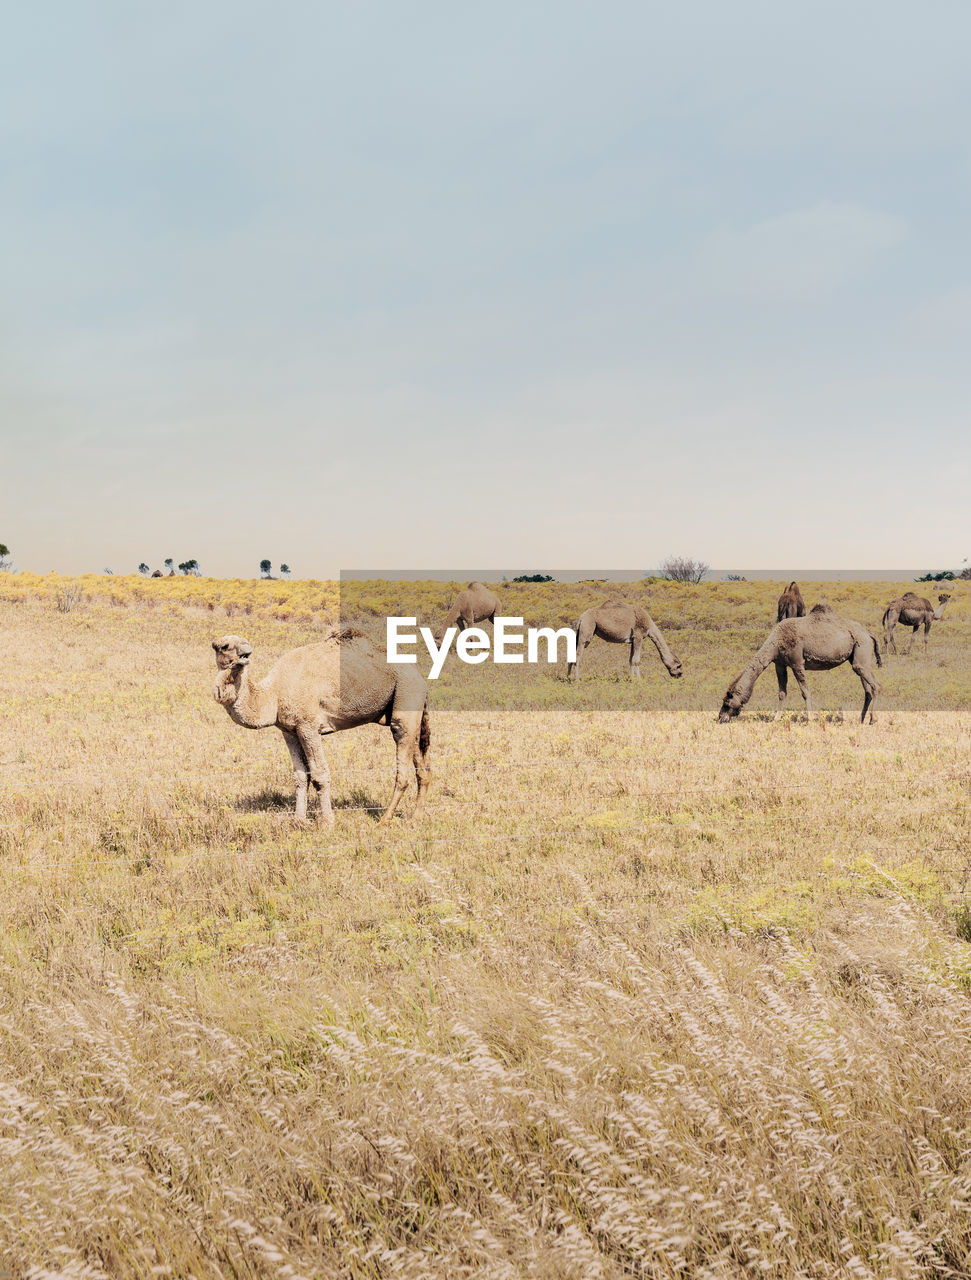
(913, 611)
(817, 642)
(620, 622)
(340, 683)
(791, 603)
(475, 604)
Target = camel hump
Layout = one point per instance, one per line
(345, 637)
(821, 608)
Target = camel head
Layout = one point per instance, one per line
(943, 598)
(232, 651)
(734, 700)
(232, 658)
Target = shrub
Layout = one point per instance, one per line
(683, 569)
(69, 597)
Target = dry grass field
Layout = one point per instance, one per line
(645, 996)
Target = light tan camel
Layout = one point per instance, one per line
(791, 603)
(913, 611)
(620, 622)
(475, 604)
(340, 683)
(818, 642)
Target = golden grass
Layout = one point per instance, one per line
(646, 996)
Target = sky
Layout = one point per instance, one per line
(541, 283)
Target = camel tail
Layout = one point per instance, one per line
(876, 649)
(883, 620)
(425, 732)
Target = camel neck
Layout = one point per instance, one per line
(255, 707)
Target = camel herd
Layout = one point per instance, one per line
(344, 681)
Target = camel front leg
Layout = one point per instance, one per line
(301, 772)
(573, 668)
(913, 637)
(799, 671)
(782, 676)
(636, 644)
(309, 736)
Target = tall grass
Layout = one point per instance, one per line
(646, 995)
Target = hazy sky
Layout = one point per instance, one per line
(440, 284)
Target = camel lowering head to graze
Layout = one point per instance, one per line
(620, 622)
(477, 603)
(818, 642)
(913, 611)
(791, 603)
(340, 683)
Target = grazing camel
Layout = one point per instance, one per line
(818, 642)
(340, 683)
(620, 622)
(913, 611)
(791, 603)
(475, 604)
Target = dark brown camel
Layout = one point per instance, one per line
(791, 603)
(912, 611)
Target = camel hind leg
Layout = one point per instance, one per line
(860, 662)
(422, 762)
(409, 728)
